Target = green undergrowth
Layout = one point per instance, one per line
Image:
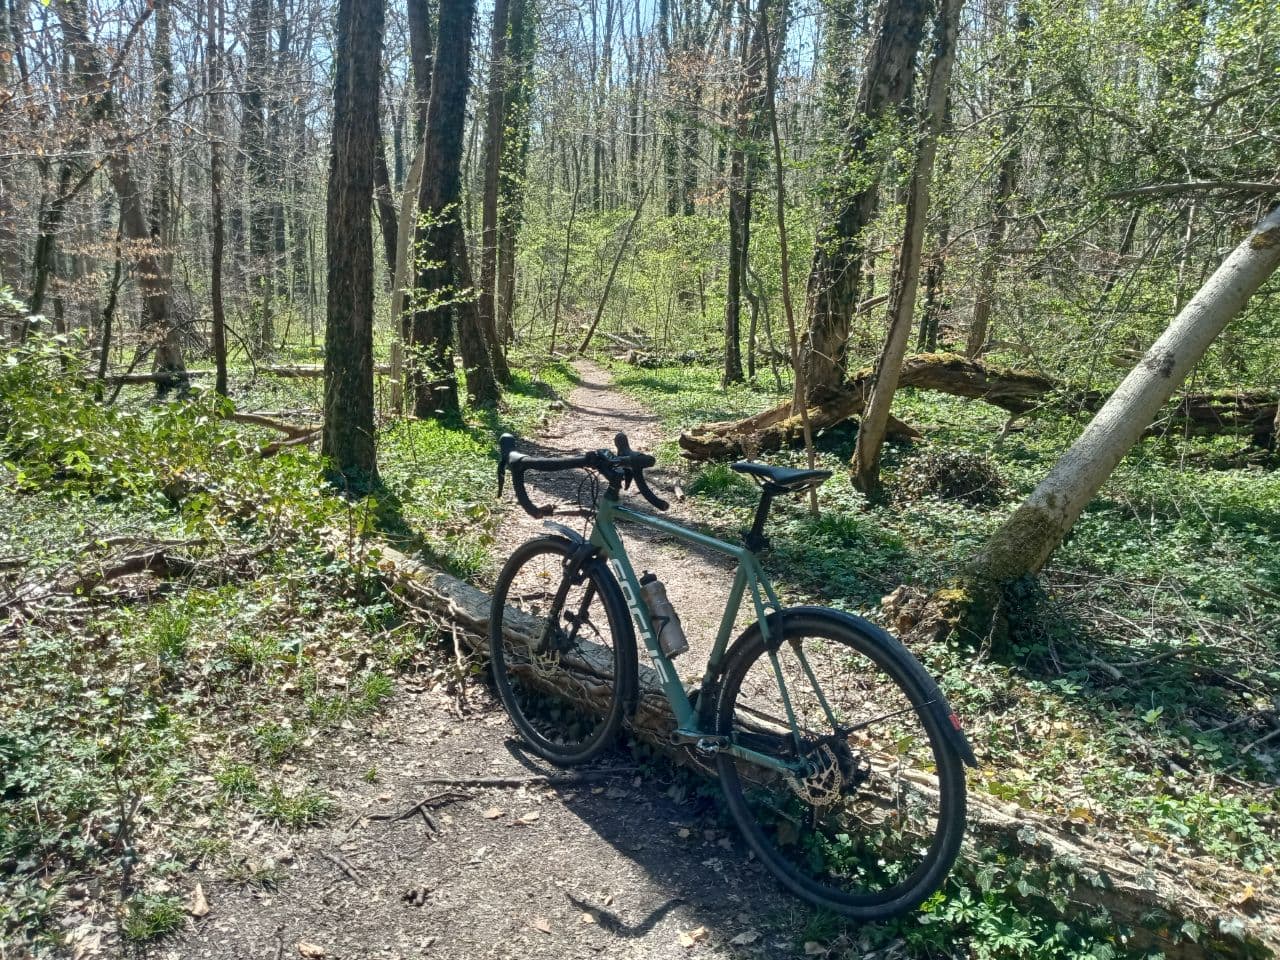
(147, 721)
(1138, 699)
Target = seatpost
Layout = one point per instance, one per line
(755, 538)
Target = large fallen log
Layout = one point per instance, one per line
(1184, 907)
(1251, 412)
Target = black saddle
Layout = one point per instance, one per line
(782, 479)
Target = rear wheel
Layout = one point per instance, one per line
(872, 821)
(563, 650)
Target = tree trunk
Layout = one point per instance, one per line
(834, 277)
(348, 440)
(253, 127)
(493, 152)
(160, 334)
(213, 63)
(902, 302)
(1026, 540)
(519, 79)
(10, 235)
(421, 46)
(388, 220)
(475, 342)
(742, 166)
(1006, 186)
(431, 329)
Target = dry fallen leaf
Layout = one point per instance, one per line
(542, 924)
(310, 950)
(588, 918)
(198, 906)
(493, 813)
(813, 948)
(528, 818)
(696, 935)
(745, 938)
(683, 833)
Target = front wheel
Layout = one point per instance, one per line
(869, 820)
(563, 650)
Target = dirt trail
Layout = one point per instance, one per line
(697, 581)
(628, 863)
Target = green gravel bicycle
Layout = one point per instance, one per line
(839, 757)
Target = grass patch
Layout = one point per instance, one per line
(152, 917)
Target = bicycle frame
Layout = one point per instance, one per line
(749, 577)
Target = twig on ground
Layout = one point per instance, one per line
(343, 864)
(421, 805)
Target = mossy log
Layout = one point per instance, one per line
(1184, 907)
(1251, 412)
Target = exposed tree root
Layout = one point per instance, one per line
(1185, 907)
(1251, 412)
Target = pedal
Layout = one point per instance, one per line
(708, 746)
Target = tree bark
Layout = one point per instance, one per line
(431, 328)
(160, 334)
(902, 302)
(421, 46)
(743, 162)
(388, 220)
(493, 151)
(1027, 539)
(253, 135)
(835, 275)
(213, 63)
(348, 440)
(1005, 187)
(511, 189)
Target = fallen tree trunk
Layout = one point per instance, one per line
(1251, 412)
(137, 379)
(1184, 907)
(299, 370)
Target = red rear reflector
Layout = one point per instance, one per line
(955, 721)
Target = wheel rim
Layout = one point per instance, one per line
(559, 663)
(866, 824)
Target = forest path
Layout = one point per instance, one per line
(697, 580)
(631, 861)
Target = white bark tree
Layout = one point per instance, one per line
(1027, 539)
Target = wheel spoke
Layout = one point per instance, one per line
(851, 829)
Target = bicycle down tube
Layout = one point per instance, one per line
(748, 576)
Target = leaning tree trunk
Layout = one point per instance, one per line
(348, 439)
(835, 274)
(1026, 540)
(902, 304)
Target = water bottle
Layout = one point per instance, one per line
(665, 620)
